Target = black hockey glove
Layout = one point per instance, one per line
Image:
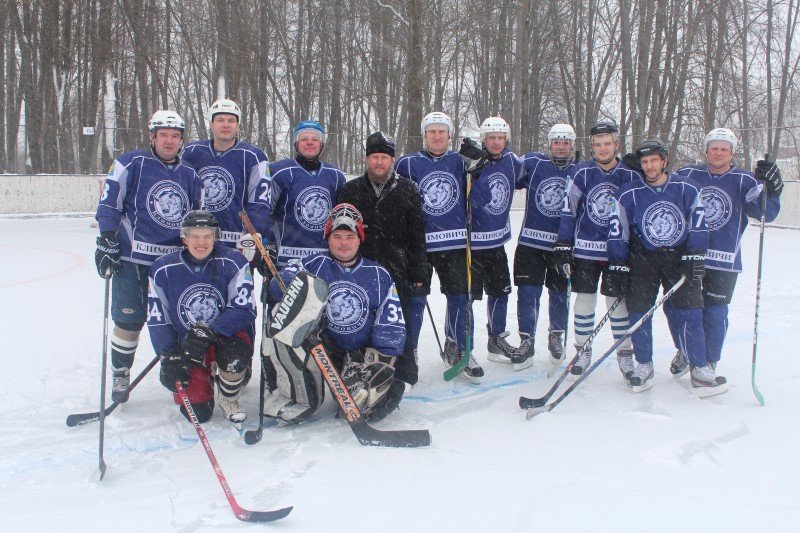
(474, 157)
(196, 344)
(769, 173)
(562, 256)
(618, 282)
(261, 265)
(107, 255)
(693, 266)
(174, 367)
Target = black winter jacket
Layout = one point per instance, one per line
(394, 227)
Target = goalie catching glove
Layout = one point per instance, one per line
(369, 376)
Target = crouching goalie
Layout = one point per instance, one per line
(351, 305)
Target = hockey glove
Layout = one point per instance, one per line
(474, 157)
(196, 344)
(107, 255)
(367, 381)
(618, 282)
(562, 255)
(174, 367)
(693, 266)
(770, 174)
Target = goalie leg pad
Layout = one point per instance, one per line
(299, 388)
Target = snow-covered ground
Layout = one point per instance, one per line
(605, 459)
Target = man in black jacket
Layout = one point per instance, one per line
(395, 235)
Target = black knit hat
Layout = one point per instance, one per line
(380, 143)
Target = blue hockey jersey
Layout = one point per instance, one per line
(363, 308)
(669, 216)
(300, 203)
(587, 206)
(544, 200)
(217, 292)
(442, 185)
(233, 180)
(729, 199)
(491, 197)
(145, 200)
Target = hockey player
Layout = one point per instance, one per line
(235, 177)
(302, 194)
(395, 234)
(491, 196)
(545, 180)
(730, 195)
(580, 251)
(363, 330)
(200, 312)
(657, 234)
(145, 197)
(441, 176)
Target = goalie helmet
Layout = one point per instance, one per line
(345, 216)
(722, 134)
(199, 219)
(436, 117)
(495, 125)
(223, 105)
(165, 119)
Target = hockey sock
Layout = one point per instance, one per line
(456, 319)
(414, 319)
(230, 385)
(123, 348)
(584, 316)
(528, 307)
(642, 338)
(715, 324)
(691, 338)
(619, 322)
(558, 310)
(496, 310)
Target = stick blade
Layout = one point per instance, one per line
(408, 438)
(263, 516)
(80, 419)
(253, 436)
(533, 411)
(527, 403)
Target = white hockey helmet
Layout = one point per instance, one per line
(495, 125)
(561, 132)
(437, 117)
(223, 105)
(722, 134)
(165, 119)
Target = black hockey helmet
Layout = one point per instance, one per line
(651, 147)
(199, 219)
(603, 127)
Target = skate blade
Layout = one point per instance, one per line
(523, 365)
(499, 358)
(707, 392)
(470, 379)
(680, 374)
(554, 361)
(643, 387)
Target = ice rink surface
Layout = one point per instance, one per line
(606, 459)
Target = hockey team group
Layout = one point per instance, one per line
(183, 228)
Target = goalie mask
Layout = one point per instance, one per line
(345, 216)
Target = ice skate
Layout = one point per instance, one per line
(625, 362)
(523, 358)
(679, 365)
(642, 378)
(583, 362)
(121, 379)
(706, 383)
(555, 344)
(500, 351)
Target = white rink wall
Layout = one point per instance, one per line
(49, 193)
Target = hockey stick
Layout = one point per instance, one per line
(103, 362)
(459, 367)
(435, 331)
(251, 437)
(366, 435)
(527, 403)
(80, 419)
(241, 514)
(763, 202)
(533, 411)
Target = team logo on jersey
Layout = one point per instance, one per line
(501, 193)
(440, 193)
(347, 307)
(550, 196)
(167, 204)
(718, 207)
(199, 303)
(599, 203)
(663, 224)
(312, 207)
(218, 188)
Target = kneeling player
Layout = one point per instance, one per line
(658, 234)
(201, 311)
(363, 330)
